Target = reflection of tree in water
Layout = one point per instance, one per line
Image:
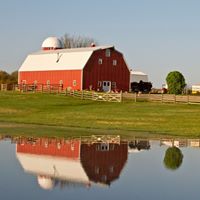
(173, 158)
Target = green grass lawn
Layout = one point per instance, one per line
(49, 114)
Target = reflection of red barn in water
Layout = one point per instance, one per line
(103, 162)
(71, 162)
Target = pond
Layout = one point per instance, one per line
(99, 167)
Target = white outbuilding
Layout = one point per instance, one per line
(196, 89)
(137, 76)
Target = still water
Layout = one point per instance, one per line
(99, 168)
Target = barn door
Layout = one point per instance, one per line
(106, 86)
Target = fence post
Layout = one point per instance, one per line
(135, 97)
(92, 95)
(121, 96)
(81, 94)
(4, 87)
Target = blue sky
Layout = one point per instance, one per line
(155, 36)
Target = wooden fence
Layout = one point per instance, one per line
(4, 87)
(101, 139)
(43, 88)
(164, 98)
(100, 96)
(96, 96)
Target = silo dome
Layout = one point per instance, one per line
(52, 43)
(45, 183)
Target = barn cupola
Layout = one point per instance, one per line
(52, 43)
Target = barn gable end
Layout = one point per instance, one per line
(102, 70)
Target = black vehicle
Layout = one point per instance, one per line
(144, 87)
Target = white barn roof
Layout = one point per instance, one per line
(62, 59)
(66, 169)
(138, 73)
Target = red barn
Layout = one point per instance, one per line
(72, 161)
(96, 67)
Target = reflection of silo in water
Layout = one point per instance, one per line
(54, 162)
(45, 183)
(103, 162)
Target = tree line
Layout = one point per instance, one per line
(6, 78)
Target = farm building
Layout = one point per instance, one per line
(139, 82)
(100, 68)
(72, 161)
(196, 89)
(137, 76)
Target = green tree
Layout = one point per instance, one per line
(4, 77)
(173, 158)
(175, 82)
(13, 77)
(7, 78)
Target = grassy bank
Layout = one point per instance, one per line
(50, 114)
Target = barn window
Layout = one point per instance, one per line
(96, 170)
(98, 147)
(100, 61)
(74, 82)
(104, 178)
(99, 83)
(61, 82)
(24, 82)
(114, 62)
(72, 146)
(107, 52)
(114, 85)
(112, 147)
(111, 169)
(58, 145)
(46, 144)
(48, 82)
